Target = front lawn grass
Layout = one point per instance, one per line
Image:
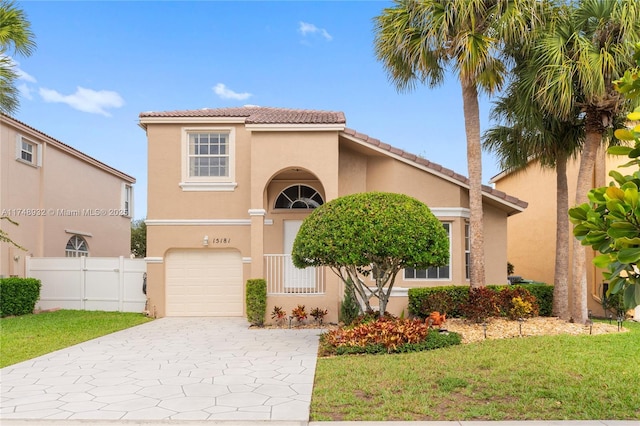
(28, 336)
(545, 378)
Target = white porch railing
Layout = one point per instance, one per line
(284, 278)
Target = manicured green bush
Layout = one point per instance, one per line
(349, 308)
(256, 299)
(18, 296)
(424, 300)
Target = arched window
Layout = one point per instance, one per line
(76, 247)
(299, 197)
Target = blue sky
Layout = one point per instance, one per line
(99, 64)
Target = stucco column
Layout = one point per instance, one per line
(257, 242)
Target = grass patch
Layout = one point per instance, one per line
(28, 336)
(535, 378)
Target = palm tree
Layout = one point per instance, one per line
(418, 41)
(16, 37)
(574, 65)
(526, 135)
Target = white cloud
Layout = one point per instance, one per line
(86, 100)
(25, 90)
(307, 28)
(223, 92)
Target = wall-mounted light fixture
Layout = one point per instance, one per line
(205, 241)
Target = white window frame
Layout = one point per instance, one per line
(77, 251)
(449, 232)
(36, 154)
(467, 250)
(208, 183)
(127, 200)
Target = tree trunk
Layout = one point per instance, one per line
(585, 184)
(561, 278)
(474, 165)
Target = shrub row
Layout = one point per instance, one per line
(454, 300)
(18, 296)
(385, 335)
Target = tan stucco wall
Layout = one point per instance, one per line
(531, 237)
(66, 194)
(268, 162)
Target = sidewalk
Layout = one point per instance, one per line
(304, 423)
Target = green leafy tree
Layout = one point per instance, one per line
(525, 133)
(139, 238)
(373, 235)
(583, 50)
(16, 37)
(610, 221)
(419, 41)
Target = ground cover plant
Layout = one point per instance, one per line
(29, 336)
(385, 335)
(547, 377)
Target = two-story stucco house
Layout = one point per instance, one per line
(65, 202)
(229, 188)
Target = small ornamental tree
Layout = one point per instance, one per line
(371, 235)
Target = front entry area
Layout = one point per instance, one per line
(204, 282)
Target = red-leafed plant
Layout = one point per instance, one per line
(319, 314)
(278, 314)
(299, 313)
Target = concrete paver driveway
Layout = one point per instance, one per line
(170, 368)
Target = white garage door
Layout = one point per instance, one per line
(204, 283)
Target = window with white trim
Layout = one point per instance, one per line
(433, 273)
(76, 247)
(299, 197)
(467, 251)
(127, 200)
(208, 159)
(28, 151)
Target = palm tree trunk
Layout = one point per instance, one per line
(474, 165)
(561, 278)
(585, 183)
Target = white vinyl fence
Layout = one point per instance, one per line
(89, 283)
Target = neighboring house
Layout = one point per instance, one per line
(532, 235)
(229, 188)
(66, 203)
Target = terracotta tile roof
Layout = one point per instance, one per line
(260, 115)
(434, 166)
(70, 149)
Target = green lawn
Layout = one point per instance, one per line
(551, 377)
(28, 336)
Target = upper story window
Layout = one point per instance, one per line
(76, 247)
(299, 197)
(208, 159)
(208, 154)
(28, 151)
(127, 200)
(433, 273)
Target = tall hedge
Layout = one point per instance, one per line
(256, 300)
(18, 296)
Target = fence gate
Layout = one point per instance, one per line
(89, 283)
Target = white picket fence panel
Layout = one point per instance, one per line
(89, 283)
